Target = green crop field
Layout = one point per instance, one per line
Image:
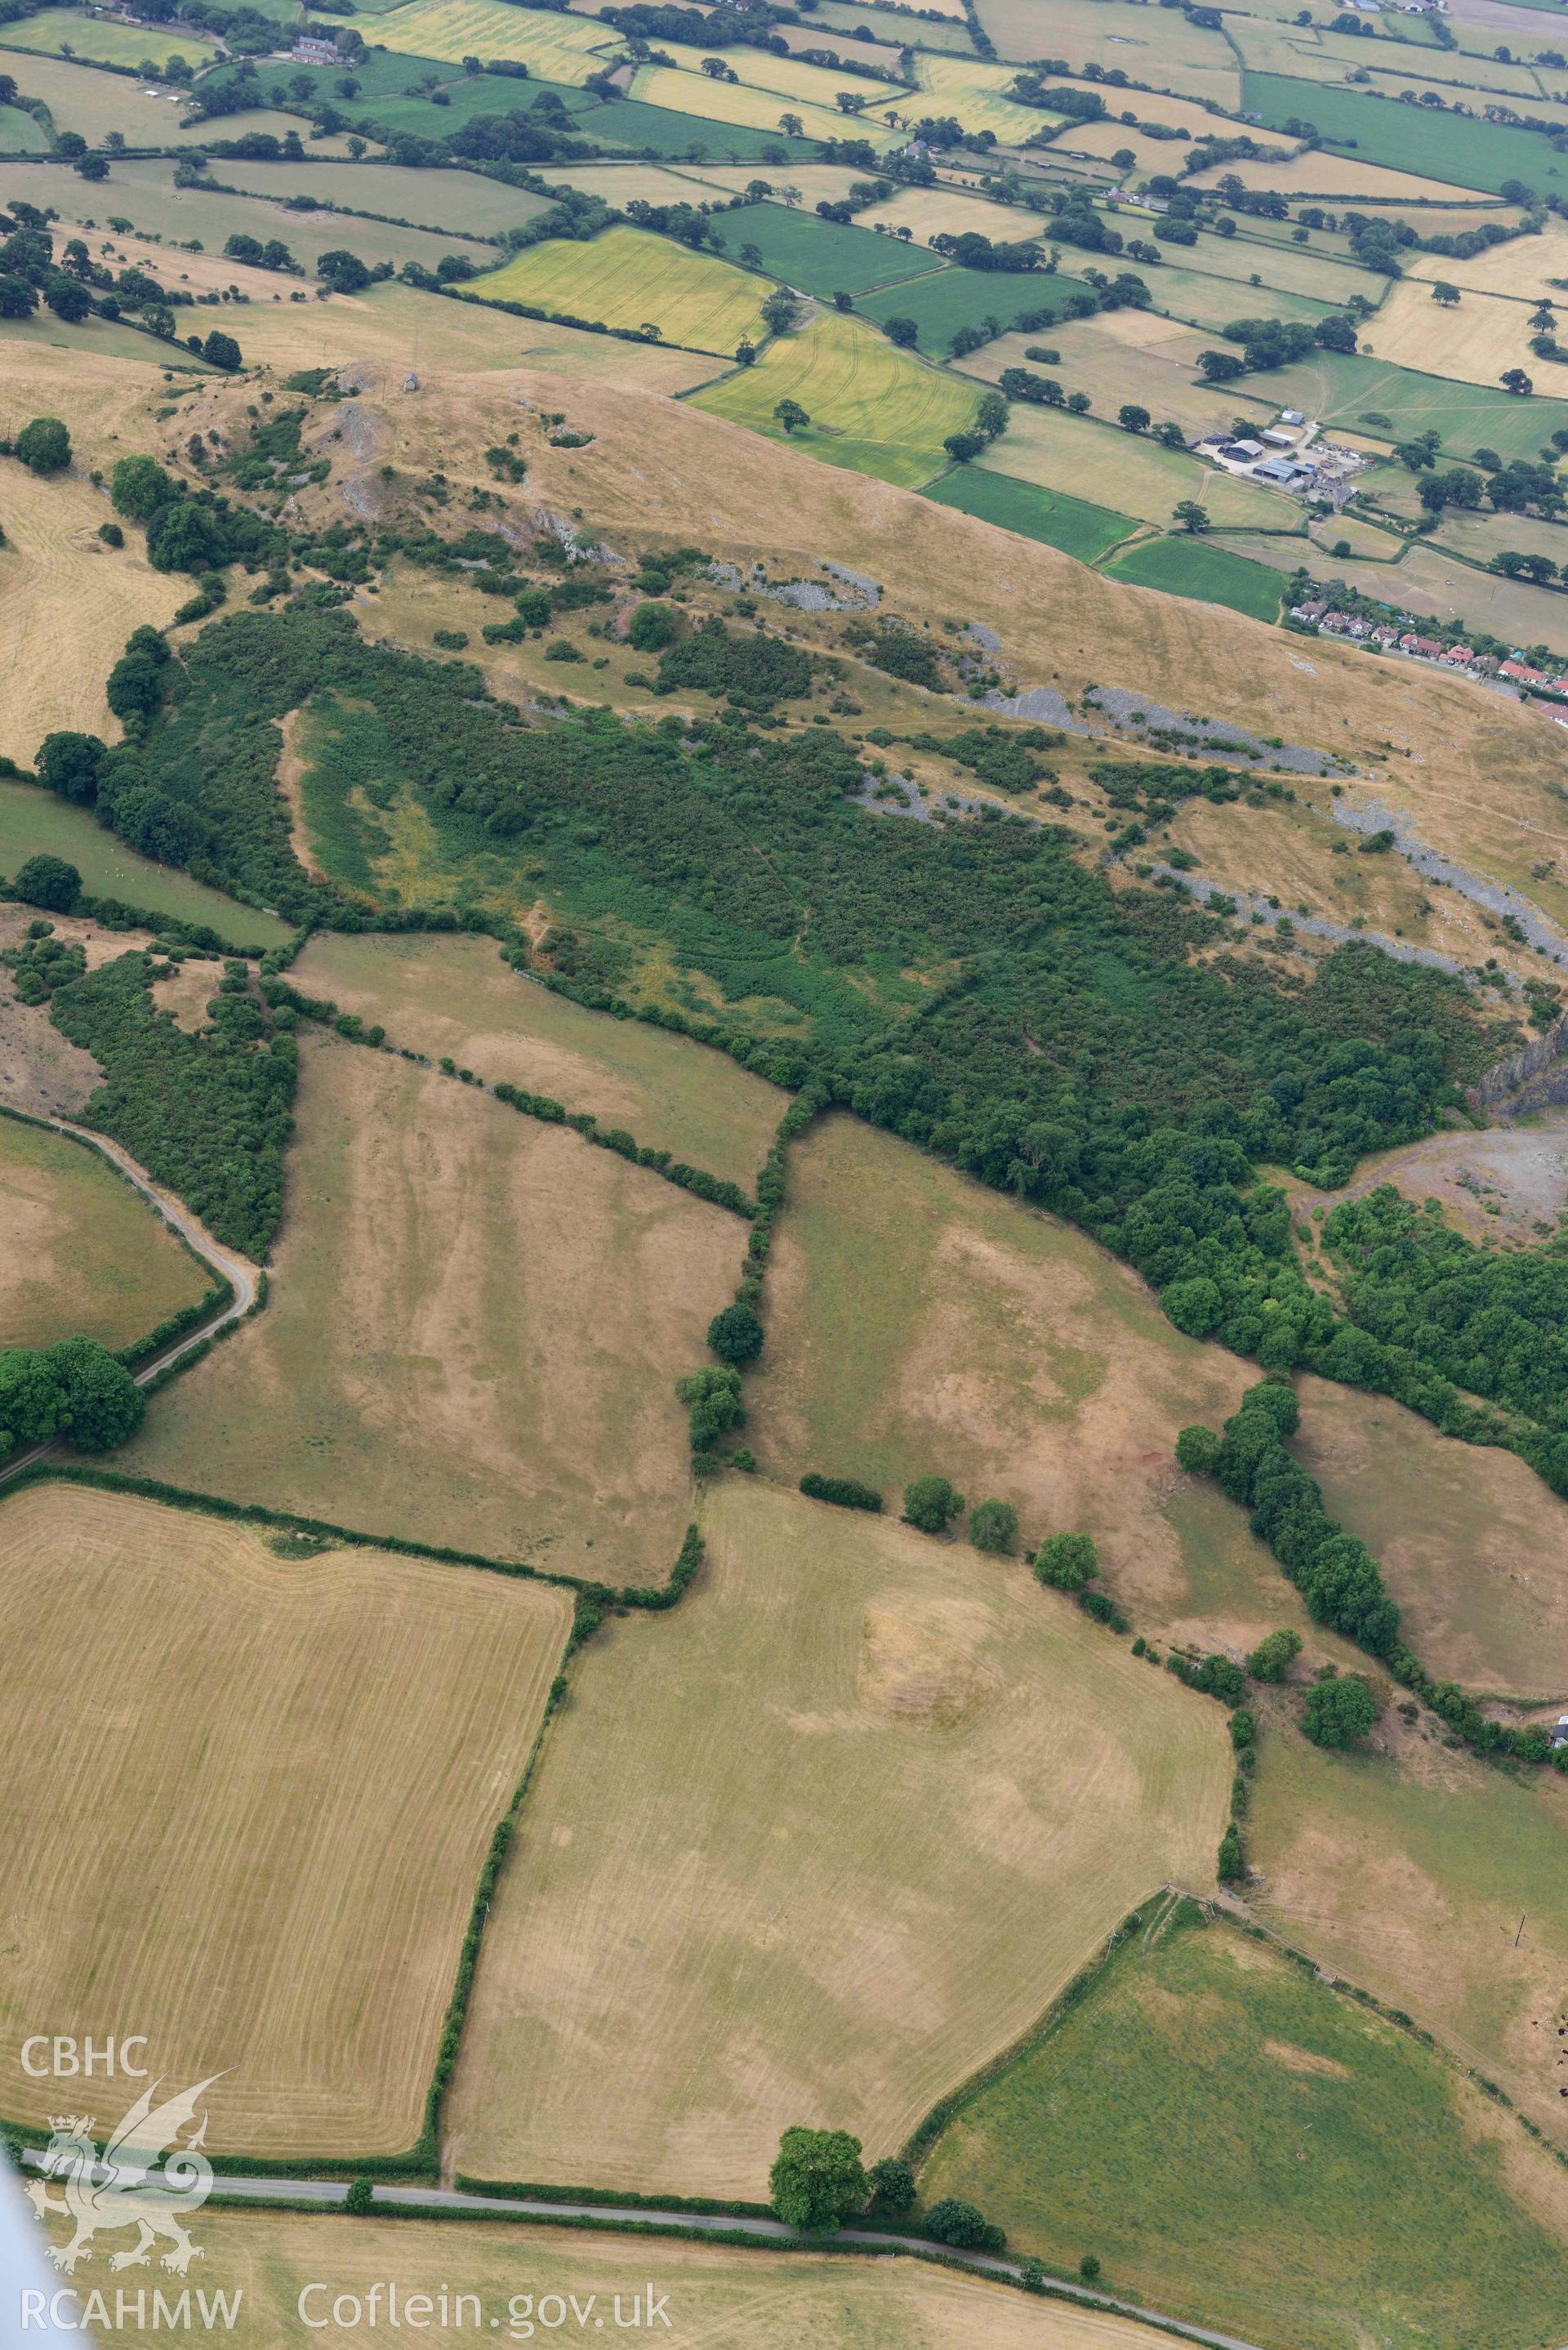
(53, 30)
(1073, 525)
(872, 406)
(83, 1251)
(824, 257)
(1345, 392)
(1459, 149)
(558, 48)
(1338, 2184)
(626, 278)
(33, 822)
(950, 298)
(817, 1843)
(1187, 565)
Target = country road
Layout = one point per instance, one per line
(452, 2202)
(242, 1276)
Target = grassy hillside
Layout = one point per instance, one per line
(1238, 2142)
(84, 1252)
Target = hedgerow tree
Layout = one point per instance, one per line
(816, 2180)
(930, 1504)
(44, 445)
(735, 1334)
(1339, 1713)
(1067, 1561)
(993, 1525)
(892, 2184)
(712, 1396)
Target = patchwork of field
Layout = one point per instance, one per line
(694, 2296)
(1199, 2037)
(1429, 584)
(1458, 149)
(656, 130)
(626, 277)
(1350, 392)
(1189, 565)
(819, 1843)
(694, 96)
(1283, 268)
(556, 48)
(84, 1254)
(1212, 301)
(1408, 1870)
(650, 183)
(1472, 342)
(873, 408)
(1079, 529)
(427, 1366)
(916, 1322)
(1472, 1544)
(272, 1885)
(73, 32)
(456, 997)
(1126, 471)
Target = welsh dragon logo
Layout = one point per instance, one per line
(126, 2187)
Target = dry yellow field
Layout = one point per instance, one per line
(1318, 173)
(788, 78)
(817, 1843)
(1127, 355)
(927, 213)
(1523, 268)
(475, 1327)
(1408, 1869)
(738, 102)
(705, 2297)
(1473, 342)
(83, 1251)
(558, 48)
(247, 1801)
(1127, 471)
(1157, 55)
(59, 584)
(974, 92)
(627, 278)
(456, 996)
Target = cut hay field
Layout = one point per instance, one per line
(819, 1843)
(51, 30)
(84, 1253)
(60, 585)
(1182, 57)
(699, 100)
(455, 996)
(270, 1884)
(432, 1363)
(650, 183)
(787, 78)
(916, 1322)
(1473, 342)
(1299, 2100)
(824, 257)
(1079, 529)
(973, 91)
(554, 47)
(873, 408)
(1125, 471)
(1523, 268)
(1474, 1546)
(32, 821)
(703, 2296)
(626, 277)
(944, 210)
(1127, 355)
(1457, 150)
(1317, 172)
(1187, 565)
(1408, 1871)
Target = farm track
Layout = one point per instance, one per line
(455, 2202)
(238, 1271)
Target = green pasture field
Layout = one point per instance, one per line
(460, 202)
(873, 407)
(1283, 268)
(1345, 392)
(626, 278)
(1204, 300)
(456, 102)
(81, 98)
(1186, 566)
(1455, 148)
(34, 822)
(84, 1253)
(950, 298)
(1299, 2112)
(1077, 528)
(20, 132)
(824, 257)
(456, 997)
(627, 123)
(95, 36)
